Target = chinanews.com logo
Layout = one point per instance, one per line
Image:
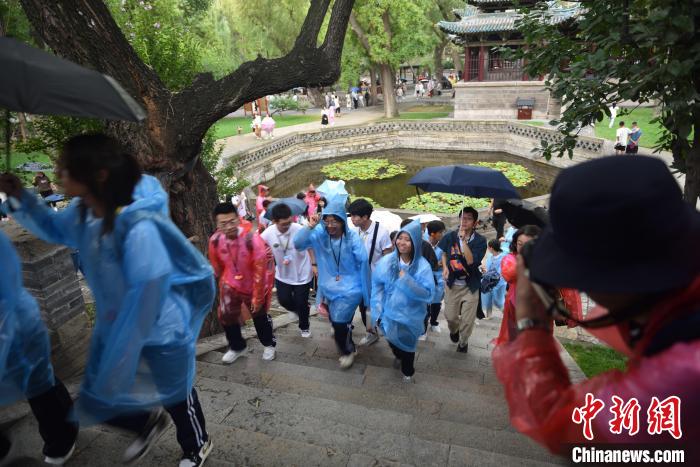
(662, 416)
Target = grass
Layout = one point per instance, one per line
(229, 126)
(595, 359)
(641, 115)
(19, 158)
(429, 108)
(531, 122)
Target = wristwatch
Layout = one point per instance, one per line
(529, 323)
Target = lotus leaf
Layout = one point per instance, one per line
(363, 169)
(446, 203)
(517, 174)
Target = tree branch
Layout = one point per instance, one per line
(308, 36)
(360, 33)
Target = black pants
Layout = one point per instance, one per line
(431, 315)
(53, 410)
(343, 338)
(499, 222)
(406, 358)
(295, 298)
(263, 327)
(187, 416)
(363, 313)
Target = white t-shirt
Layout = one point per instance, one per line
(383, 241)
(621, 134)
(298, 271)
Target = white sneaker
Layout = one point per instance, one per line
(436, 329)
(306, 334)
(369, 339)
(196, 459)
(408, 379)
(231, 356)
(423, 337)
(346, 361)
(60, 460)
(269, 353)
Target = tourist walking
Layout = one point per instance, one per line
(633, 140)
(152, 290)
(336, 102)
(436, 230)
(331, 113)
(613, 114)
(377, 243)
(268, 127)
(343, 271)
(311, 198)
(353, 95)
(241, 202)
(294, 269)
(621, 136)
(263, 194)
(324, 117)
(493, 285)
(25, 364)
(257, 126)
(243, 264)
(464, 250)
(402, 287)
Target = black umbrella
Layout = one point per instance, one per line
(521, 212)
(40, 83)
(467, 180)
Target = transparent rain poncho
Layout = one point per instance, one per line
(346, 262)
(400, 302)
(25, 350)
(438, 279)
(152, 290)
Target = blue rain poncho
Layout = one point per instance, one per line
(350, 263)
(439, 280)
(400, 302)
(152, 290)
(25, 350)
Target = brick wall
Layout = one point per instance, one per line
(49, 276)
(496, 100)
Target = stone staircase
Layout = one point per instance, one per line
(302, 410)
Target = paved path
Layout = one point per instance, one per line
(302, 410)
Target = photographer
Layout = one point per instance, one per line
(649, 297)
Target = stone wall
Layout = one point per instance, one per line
(434, 137)
(49, 275)
(496, 100)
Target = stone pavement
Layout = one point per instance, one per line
(301, 409)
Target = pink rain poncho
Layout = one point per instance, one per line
(347, 262)
(400, 302)
(152, 290)
(542, 399)
(25, 350)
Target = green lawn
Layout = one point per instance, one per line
(428, 108)
(595, 359)
(531, 122)
(18, 158)
(641, 115)
(229, 126)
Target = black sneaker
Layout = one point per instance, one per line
(463, 349)
(195, 459)
(157, 424)
(454, 337)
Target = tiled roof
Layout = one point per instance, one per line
(475, 23)
(465, 12)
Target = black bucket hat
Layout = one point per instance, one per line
(619, 225)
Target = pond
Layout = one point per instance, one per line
(392, 192)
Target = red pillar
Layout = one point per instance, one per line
(467, 64)
(482, 54)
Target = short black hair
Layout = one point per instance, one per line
(393, 235)
(529, 230)
(360, 207)
(405, 222)
(495, 244)
(266, 203)
(225, 208)
(634, 123)
(280, 211)
(622, 123)
(435, 227)
(301, 195)
(470, 210)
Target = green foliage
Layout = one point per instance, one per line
(229, 126)
(51, 133)
(596, 359)
(13, 21)
(281, 103)
(445, 203)
(227, 182)
(374, 204)
(602, 59)
(363, 169)
(517, 174)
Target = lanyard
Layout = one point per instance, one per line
(286, 246)
(336, 259)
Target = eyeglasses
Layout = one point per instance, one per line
(331, 222)
(229, 223)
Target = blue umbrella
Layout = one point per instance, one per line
(331, 188)
(297, 206)
(54, 198)
(467, 180)
(355, 88)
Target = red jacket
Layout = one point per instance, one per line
(542, 399)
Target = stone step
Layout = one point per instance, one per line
(383, 433)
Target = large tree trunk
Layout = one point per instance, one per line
(316, 97)
(169, 143)
(391, 108)
(373, 91)
(437, 61)
(456, 54)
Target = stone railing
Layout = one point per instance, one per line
(264, 163)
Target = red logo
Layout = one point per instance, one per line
(587, 413)
(665, 416)
(625, 416)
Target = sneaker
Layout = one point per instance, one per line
(195, 459)
(454, 337)
(306, 333)
(408, 379)
(269, 353)
(346, 361)
(60, 460)
(369, 339)
(463, 348)
(436, 329)
(157, 423)
(423, 337)
(232, 355)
